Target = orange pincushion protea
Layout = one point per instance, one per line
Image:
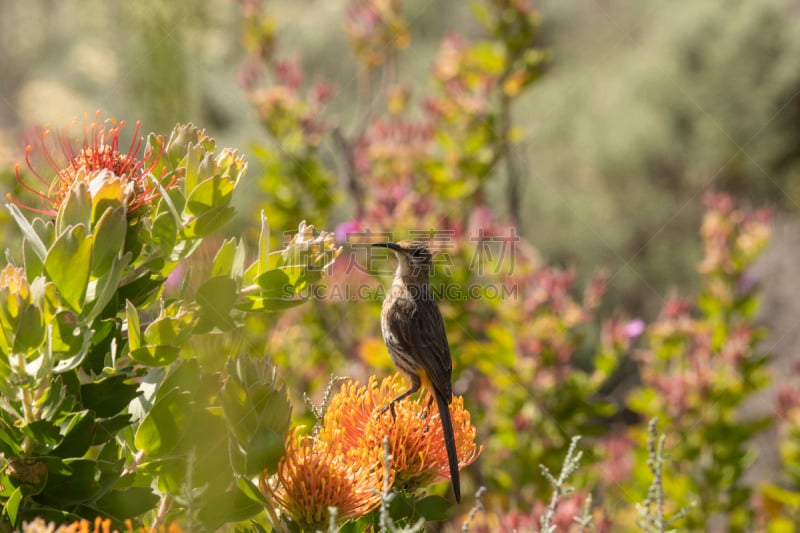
(99, 151)
(354, 423)
(100, 525)
(313, 476)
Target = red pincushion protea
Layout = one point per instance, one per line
(99, 151)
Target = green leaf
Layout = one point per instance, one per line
(81, 484)
(216, 298)
(36, 244)
(106, 429)
(72, 361)
(269, 305)
(108, 396)
(106, 287)
(127, 503)
(155, 355)
(109, 239)
(11, 507)
(5, 348)
(165, 232)
(224, 259)
(258, 412)
(195, 155)
(237, 408)
(46, 230)
(275, 284)
(264, 450)
(7, 486)
(170, 330)
(187, 376)
(210, 194)
(231, 506)
(65, 336)
(30, 259)
(30, 330)
(54, 402)
(108, 192)
(75, 209)
(250, 490)
(183, 140)
(164, 425)
(263, 246)
(10, 440)
(135, 236)
(206, 223)
(140, 290)
(79, 436)
(42, 431)
(69, 263)
(432, 508)
(134, 330)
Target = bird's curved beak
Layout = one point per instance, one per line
(389, 245)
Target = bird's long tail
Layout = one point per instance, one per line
(442, 404)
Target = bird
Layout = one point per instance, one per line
(414, 333)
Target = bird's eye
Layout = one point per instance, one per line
(421, 254)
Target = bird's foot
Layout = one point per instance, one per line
(424, 413)
(389, 407)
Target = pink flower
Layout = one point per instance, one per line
(634, 328)
(289, 73)
(346, 228)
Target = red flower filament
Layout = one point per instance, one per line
(99, 151)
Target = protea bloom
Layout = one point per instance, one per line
(13, 280)
(353, 421)
(99, 151)
(314, 476)
(100, 525)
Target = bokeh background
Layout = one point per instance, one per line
(641, 109)
(644, 106)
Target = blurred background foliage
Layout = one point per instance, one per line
(631, 112)
(644, 105)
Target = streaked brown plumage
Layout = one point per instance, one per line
(414, 333)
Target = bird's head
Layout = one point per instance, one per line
(414, 258)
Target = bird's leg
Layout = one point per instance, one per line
(416, 383)
(424, 413)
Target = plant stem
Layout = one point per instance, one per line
(27, 400)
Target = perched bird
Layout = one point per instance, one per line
(413, 330)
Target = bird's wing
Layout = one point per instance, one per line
(425, 340)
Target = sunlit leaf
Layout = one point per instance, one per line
(209, 221)
(30, 330)
(109, 239)
(11, 507)
(134, 329)
(164, 425)
(69, 263)
(216, 298)
(76, 209)
(155, 355)
(211, 193)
